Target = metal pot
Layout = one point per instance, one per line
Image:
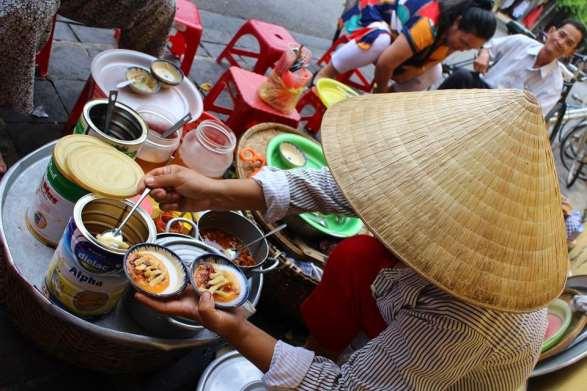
(237, 225)
(187, 248)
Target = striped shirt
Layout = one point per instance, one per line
(433, 341)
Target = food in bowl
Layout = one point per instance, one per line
(142, 81)
(228, 243)
(107, 239)
(155, 270)
(166, 72)
(292, 155)
(223, 282)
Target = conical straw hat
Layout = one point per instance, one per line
(460, 185)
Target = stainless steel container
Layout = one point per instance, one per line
(127, 131)
(244, 229)
(84, 276)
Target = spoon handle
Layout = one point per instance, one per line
(136, 205)
(282, 226)
(177, 125)
(112, 97)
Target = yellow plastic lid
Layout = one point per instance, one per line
(68, 144)
(104, 170)
(331, 91)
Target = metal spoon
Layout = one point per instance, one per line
(185, 119)
(232, 253)
(112, 97)
(114, 234)
(123, 84)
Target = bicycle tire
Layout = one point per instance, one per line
(566, 146)
(573, 175)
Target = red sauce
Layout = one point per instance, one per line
(223, 240)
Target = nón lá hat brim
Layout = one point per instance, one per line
(458, 184)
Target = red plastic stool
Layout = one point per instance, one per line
(247, 108)
(354, 78)
(184, 43)
(313, 120)
(42, 58)
(185, 40)
(273, 41)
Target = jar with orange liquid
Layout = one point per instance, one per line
(156, 151)
(207, 149)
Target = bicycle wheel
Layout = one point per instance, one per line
(573, 151)
(574, 172)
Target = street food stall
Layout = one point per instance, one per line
(68, 281)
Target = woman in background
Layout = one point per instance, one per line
(408, 39)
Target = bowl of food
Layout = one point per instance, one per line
(219, 276)
(228, 232)
(155, 270)
(142, 81)
(167, 73)
(291, 155)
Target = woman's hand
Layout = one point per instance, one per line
(481, 63)
(187, 305)
(179, 188)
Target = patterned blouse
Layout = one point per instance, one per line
(433, 341)
(417, 20)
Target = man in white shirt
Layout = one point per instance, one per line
(520, 62)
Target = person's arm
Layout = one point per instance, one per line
(481, 63)
(273, 191)
(417, 348)
(391, 58)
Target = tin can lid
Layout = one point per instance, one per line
(104, 170)
(66, 145)
(231, 372)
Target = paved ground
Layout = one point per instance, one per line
(22, 366)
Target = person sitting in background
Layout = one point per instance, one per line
(25, 26)
(407, 39)
(523, 63)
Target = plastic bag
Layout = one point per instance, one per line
(284, 86)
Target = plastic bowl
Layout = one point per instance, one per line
(561, 310)
(167, 73)
(142, 81)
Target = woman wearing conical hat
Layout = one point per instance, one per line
(459, 191)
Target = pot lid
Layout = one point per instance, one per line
(231, 372)
(104, 170)
(68, 144)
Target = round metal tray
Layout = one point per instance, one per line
(30, 259)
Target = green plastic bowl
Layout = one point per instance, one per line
(561, 309)
(333, 225)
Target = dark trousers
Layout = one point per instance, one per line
(463, 79)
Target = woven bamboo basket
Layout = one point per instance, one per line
(72, 344)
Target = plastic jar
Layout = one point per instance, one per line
(208, 149)
(156, 150)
